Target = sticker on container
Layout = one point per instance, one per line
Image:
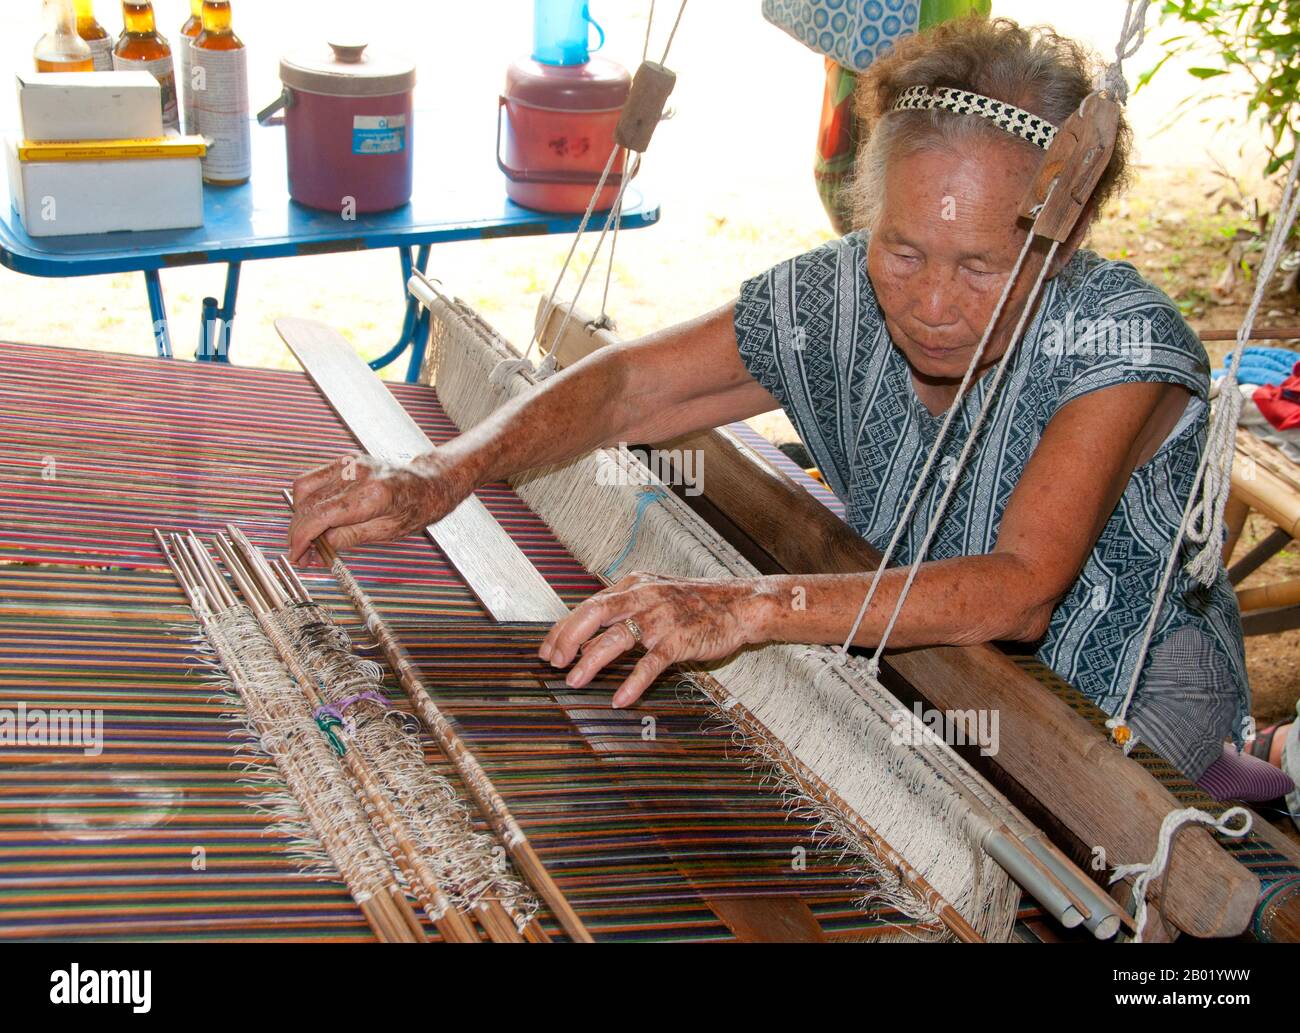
(161, 69)
(378, 134)
(101, 50)
(185, 84)
(221, 112)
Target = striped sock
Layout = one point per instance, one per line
(1239, 776)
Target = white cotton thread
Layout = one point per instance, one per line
(1131, 35)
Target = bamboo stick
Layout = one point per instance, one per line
(475, 778)
(280, 577)
(193, 584)
(490, 911)
(1234, 518)
(1279, 593)
(256, 575)
(391, 906)
(262, 593)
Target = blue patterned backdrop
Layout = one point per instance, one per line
(852, 32)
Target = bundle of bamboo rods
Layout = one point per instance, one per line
(263, 595)
(476, 780)
(267, 589)
(380, 899)
(270, 588)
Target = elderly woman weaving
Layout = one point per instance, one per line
(1069, 503)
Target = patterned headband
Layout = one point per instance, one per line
(1014, 120)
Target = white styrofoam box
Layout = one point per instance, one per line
(62, 198)
(89, 105)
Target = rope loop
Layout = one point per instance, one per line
(1144, 874)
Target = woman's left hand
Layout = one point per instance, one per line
(679, 619)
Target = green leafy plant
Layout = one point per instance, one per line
(1261, 38)
(1247, 51)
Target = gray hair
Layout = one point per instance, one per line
(1032, 68)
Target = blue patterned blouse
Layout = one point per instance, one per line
(811, 332)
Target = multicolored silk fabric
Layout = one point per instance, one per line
(649, 820)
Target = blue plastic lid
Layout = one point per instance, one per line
(562, 32)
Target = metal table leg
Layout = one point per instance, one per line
(415, 324)
(420, 337)
(158, 313)
(218, 323)
(228, 310)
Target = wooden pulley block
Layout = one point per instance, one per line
(1075, 161)
(644, 106)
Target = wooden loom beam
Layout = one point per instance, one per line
(1101, 796)
(491, 564)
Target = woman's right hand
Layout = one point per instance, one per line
(357, 499)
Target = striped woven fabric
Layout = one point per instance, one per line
(649, 821)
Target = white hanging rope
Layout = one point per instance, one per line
(603, 319)
(990, 399)
(649, 24)
(1131, 35)
(549, 361)
(672, 34)
(582, 228)
(1207, 515)
(1213, 480)
(942, 434)
(1174, 821)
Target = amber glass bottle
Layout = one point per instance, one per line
(142, 47)
(61, 49)
(184, 79)
(95, 35)
(221, 97)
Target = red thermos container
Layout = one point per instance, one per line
(349, 127)
(556, 129)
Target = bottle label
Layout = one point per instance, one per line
(162, 70)
(378, 134)
(102, 51)
(220, 90)
(185, 82)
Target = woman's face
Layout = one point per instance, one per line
(945, 242)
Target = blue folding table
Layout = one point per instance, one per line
(459, 195)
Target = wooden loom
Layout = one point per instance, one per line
(105, 848)
(154, 835)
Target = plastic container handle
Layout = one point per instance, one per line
(586, 13)
(267, 116)
(563, 176)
